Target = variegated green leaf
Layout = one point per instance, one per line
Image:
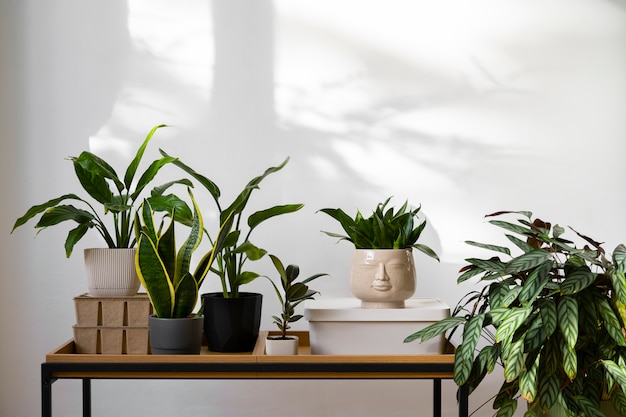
(507, 409)
(567, 311)
(618, 279)
(520, 230)
(488, 357)
(569, 359)
(549, 317)
(528, 261)
(577, 281)
(611, 322)
(514, 363)
(536, 335)
(473, 329)
(463, 360)
(618, 400)
(435, 329)
(493, 265)
(522, 244)
(495, 248)
(588, 408)
(619, 258)
(617, 372)
(510, 296)
(535, 283)
(528, 381)
(511, 322)
(549, 390)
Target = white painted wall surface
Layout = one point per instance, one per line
(467, 107)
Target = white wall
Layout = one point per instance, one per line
(467, 107)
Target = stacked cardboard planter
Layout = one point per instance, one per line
(112, 325)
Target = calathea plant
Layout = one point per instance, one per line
(115, 195)
(385, 228)
(164, 270)
(231, 259)
(553, 316)
(290, 294)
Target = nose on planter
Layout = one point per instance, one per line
(232, 324)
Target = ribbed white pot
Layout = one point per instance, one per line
(111, 272)
(382, 278)
(274, 345)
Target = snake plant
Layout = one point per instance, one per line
(551, 315)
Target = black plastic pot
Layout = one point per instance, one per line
(232, 324)
(175, 336)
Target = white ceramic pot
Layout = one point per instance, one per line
(274, 345)
(382, 278)
(111, 272)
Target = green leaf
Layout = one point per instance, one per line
(186, 296)
(522, 244)
(618, 279)
(577, 280)
(74, 236)
(132, 167)
(463, 360)
(92, 172)
(59, 214)
(260, 216)
(569, 359)
(35, 210)
(153, 276)
(549, 316)
(611, 322)
(507, 409)
(528, 381)
(567, 311)
(183, 258)
(211, 187)
(510, 226)
(536, 282)
(528, 261)
(496, 248)
(587, 407)
(435, 329)
(493, 265)
(245, 278)
(619, 258)
(424, 249)
(511, 322)
(514, 363)
(549, 389)
(617, 372)
(618, 400)
(149, 175)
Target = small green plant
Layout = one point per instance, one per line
(290, 294)
(231, 259)
(165, 271)
(384, 229)
(96, 177)
(552, 316)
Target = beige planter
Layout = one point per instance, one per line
(382, 278)
(111, 272)
(274, 345)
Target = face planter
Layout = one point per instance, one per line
(382, 278)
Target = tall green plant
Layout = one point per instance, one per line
(231, 259)
(385, 228)
(117, 196)
(163, 270)
(552, 316)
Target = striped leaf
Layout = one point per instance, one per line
(514, 363)
(492, 265)
(473, 329)
(511, 322)
(528, 381)
(488, 357)
(611, 322)
(495, 248)
(549, 317)
(469, 272)
(507, 409)
(618, 279)
(510, 296)
(520, 230)
(588, 408)
(537, 280)
(577, 280)
(567, 311)
(618, 400)
(436, 329)
(522, 244)
(463, 360)
(619, 258)
(536, 335)
(528, 261)
(549, 390)
(569, 360)
(617, 372)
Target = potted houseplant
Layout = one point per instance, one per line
(232, 318)
(382, 273)
(552, 316)
(109, 272)
(172, 288)
(290, 294)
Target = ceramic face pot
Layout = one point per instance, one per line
(382, 278)
(111, 272)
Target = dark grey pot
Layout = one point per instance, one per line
(175, 336)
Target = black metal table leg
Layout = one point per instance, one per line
(463, 401)
(436, 397)
(86, 397)
(46, 391)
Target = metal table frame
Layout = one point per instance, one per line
(256, 365)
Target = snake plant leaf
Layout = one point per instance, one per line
(527, 261)
(260, 216)
(166, 248)
(62, 213)
(567, 317)
(511, 321)
(132, 167)
(93, 172)
(495, 248)
(186, 296)
(74, 236)
(435, 329)
(528, 381)
(154, 277)
(149, 175)
(183, 258)
(211, 187)
(577, 280)
(507, 409)
(611, 322)
(35, 210)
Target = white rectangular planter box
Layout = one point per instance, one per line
(339, 326)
